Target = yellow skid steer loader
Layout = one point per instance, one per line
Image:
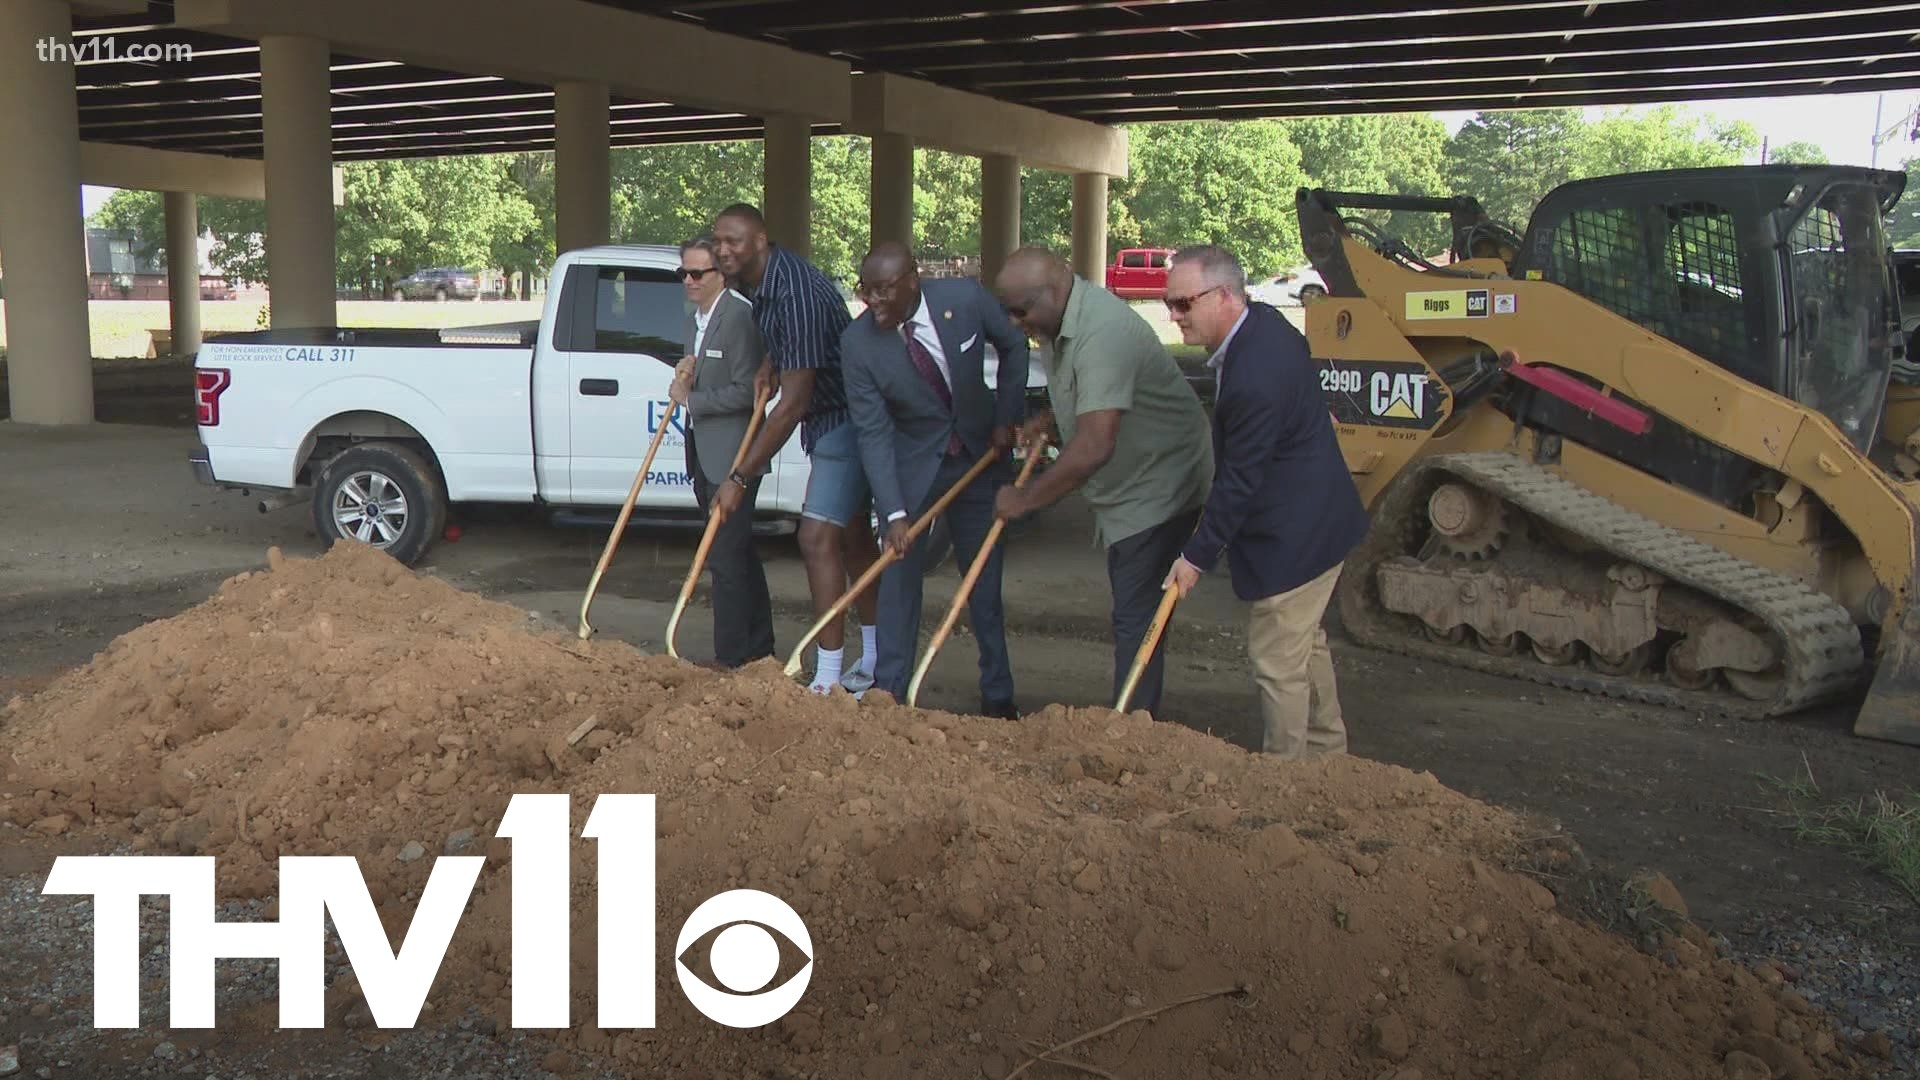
(1660, 446)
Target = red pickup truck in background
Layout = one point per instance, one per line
(1139, 273)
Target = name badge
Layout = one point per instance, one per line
(713, 354)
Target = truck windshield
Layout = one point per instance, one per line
(1840, 311)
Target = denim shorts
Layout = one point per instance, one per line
(837, 489)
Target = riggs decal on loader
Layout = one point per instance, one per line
(1382, 393)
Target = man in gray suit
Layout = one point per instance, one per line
(916, 386)
(714, 384)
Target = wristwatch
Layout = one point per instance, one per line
(738, 479)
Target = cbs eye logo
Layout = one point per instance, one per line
(744, 957)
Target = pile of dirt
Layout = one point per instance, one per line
(975, 890)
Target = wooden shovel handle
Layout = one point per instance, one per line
(1160, 617)
(626, 511)
(972, 577)
(886, 559)
(713, 523)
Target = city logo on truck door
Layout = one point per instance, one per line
(656, 412)
(1382, 393)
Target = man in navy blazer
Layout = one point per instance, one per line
(916, 386)
(1283, 507)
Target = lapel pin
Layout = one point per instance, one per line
(948, 314)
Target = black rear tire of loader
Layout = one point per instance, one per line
(419, 483)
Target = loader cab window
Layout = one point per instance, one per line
(1673, 268)
(1907, 272)
(1839, 310)
(1672, 263)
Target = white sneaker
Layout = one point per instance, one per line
(857, 682)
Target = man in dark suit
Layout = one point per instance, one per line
(1283, 507)
(917, 388)
(714, 383)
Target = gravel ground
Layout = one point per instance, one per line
(1868, 980)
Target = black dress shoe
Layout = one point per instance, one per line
(1005, 710)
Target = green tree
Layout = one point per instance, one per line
(1399, 154)
(380, 223)
(142, 213)
(1212, 181)
(1415, 146)
(400, 216)
(1797, 153)
(665, 194)
(531, 253)
(1903, 222)
(1046, 209)
(1508, 160)
(1344, 153)
(946, 204)
(842, 218)
(238, 227)
(1664, 137)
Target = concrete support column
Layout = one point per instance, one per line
(1090, 227)
(297, 136)
(582, 165)
(787, 183)
(183, 270)
(999, 213)
(42, 231)
(891, 190)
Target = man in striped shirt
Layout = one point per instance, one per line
(801, 316)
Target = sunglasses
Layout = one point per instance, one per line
(1180, 305)
(696, 275)
(879, 288)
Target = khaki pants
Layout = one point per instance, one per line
(1294, 670)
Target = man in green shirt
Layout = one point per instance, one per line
(1135, 441)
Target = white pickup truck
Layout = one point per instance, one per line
(383, 430)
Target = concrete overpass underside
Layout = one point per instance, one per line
(120, 102)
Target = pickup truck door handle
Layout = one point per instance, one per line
(600, 387)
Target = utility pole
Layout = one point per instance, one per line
(1886, 134)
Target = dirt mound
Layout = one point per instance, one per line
(975, 890)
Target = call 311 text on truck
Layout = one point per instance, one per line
(383, 430)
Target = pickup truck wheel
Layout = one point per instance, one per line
(383, 495)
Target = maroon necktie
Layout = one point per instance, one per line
(923, 360)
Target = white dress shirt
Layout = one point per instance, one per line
(700, 321)
(920, 325)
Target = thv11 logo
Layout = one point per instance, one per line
(744, 955)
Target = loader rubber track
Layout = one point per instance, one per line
(1822, 647)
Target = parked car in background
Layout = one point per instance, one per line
(1291, 288)
(1139, 273)
(440, 283)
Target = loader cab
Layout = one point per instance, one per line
(1777, 273)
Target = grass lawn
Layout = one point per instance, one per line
(120, 327)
